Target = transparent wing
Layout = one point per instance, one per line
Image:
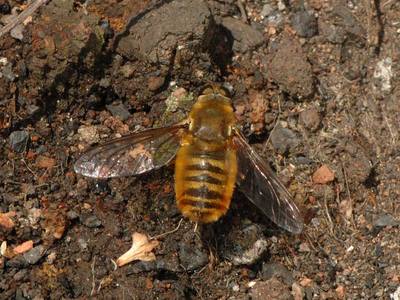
(133, 154)
(263, 188)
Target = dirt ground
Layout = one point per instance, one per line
(315, 85)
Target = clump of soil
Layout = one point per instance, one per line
(315, 88)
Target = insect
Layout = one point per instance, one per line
(212, 156)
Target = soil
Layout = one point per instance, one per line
(315, 86)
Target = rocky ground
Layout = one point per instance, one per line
(315, 85)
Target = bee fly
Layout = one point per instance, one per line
(211, 157)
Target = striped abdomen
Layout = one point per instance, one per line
(205, 175)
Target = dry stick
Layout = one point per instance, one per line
(168, 232)
(22, 16)
(93, 277)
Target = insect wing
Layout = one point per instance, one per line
(263, 188)
(133, 154)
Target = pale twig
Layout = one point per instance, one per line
(30, 170)
(168, 232)
(328, 216)
(93, 277)
(29, 11)
(114, 264)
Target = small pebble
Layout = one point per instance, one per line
(119, 111)
(385, 220)
(5, 8)
(310, 118)
(270, 270)
(284, 140)
(34, 255)
(72, 215)
(192, 258)
(323, 175)
(31, 109)
(305, 24)
(89, 134)
(267, 10)
(155, 82)
(19, 140)
(91, 221)
(17, 32)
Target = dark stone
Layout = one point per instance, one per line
(156, 36)
(119, 111)
(386, 220)
(245, 37)
(90, 221)
(192, 258)
(305, 24)
(270, 270)
(5, 8)
(140, 267)
(284, 140)
(34, 255)
(168, 264)
(19, 140)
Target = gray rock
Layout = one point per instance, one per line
(18, 32)
(284, 140)
(174, 25)
(245, 37)
(141, 266)
(332, 33)
(385, 220)
(168, 264)
(19, 140)
(31, 109)
(72, 215)
(34, 255)
(90, 221)
(192, 258)
(8, 72)
(119, 111)
(305, 24)
(270, 270)
(267, 10)
(249, 245)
